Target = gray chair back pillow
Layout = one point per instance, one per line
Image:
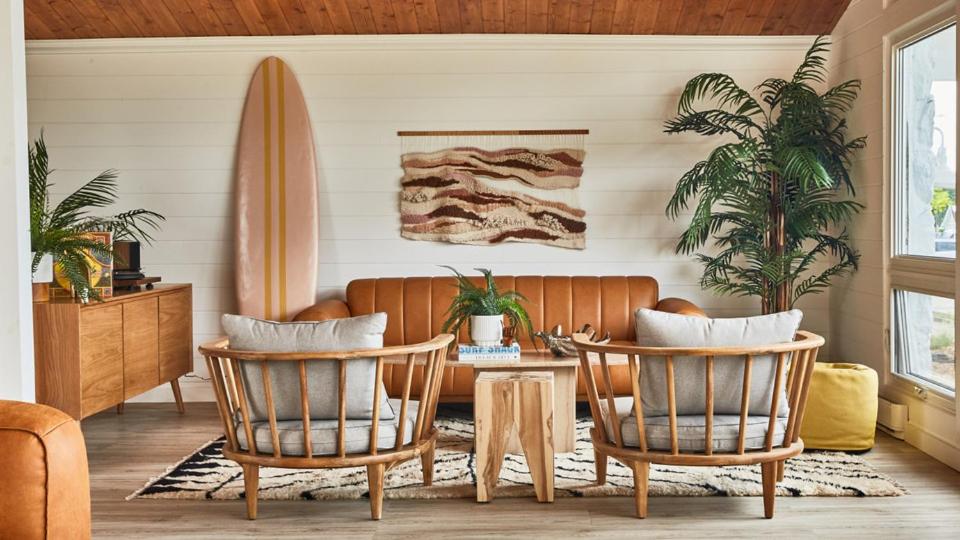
(659, 329)
(365, 332)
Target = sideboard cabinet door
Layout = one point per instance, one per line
(140, 347)
(101, 358)
(176, 335)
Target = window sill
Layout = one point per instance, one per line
(905, 388)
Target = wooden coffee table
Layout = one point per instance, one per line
(518, 404)
(564, 371)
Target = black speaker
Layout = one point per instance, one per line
(126, 257)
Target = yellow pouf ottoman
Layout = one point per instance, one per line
(841, 408)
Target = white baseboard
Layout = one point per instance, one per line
(192, 388)
(892, 418)
(933, 445)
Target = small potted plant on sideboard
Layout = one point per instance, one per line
(67, 237)
(484, 309)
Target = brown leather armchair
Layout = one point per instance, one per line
(44, 484)
(416, 308)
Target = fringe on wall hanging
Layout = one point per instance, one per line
(490, 187)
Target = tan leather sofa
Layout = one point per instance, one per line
(44, 484)
(416, 309)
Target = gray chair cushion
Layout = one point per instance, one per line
(323, 434)
(691, 430)
(659, 329)
(366, 332)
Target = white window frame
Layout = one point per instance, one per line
(930, 275)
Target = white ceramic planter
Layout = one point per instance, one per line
(486, 330)
(44, 273)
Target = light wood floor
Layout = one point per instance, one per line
(127, 450)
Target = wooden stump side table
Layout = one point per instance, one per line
(564, 392)
(507, 403)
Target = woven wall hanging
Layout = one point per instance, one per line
(490, 187)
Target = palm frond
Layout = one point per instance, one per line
(720, 88)
(97, 193)
(814, 65)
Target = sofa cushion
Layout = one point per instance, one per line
(365, 332)
(323, 434)
(659, 329)
(692, 431)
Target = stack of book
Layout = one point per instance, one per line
(478, 355)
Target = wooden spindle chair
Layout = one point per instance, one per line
(228, 370)
(794, 367)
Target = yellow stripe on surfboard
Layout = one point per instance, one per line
(267, 199)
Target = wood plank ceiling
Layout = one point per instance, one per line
(73, 19)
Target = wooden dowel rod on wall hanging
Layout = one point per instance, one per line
(493, 132)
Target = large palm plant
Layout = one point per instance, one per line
(60, 230)
(772, 194)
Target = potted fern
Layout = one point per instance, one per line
(776, 195)
(484, 309)
(60, 231)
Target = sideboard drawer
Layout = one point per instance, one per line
(101, 357)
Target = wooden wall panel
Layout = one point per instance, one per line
(429, 20)
(70, 19)
(183, 13)
(319, 16)
(448, 14)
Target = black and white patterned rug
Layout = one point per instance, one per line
(206, 474)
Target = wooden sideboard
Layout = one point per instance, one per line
(90, 357)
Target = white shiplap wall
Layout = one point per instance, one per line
(165, 113)
(859, 305)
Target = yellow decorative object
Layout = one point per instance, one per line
(100, 275)
(841, 408)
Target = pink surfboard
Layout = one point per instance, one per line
(276, 198)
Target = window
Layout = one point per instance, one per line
(924, 196)
(926, 136)
(923, 341)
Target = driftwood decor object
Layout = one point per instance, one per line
(794, 367)
(490, 187)
(561, 345)
(233, 390)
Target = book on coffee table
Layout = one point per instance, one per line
(476, 354)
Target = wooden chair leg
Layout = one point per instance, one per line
(120, 408)
(175, 385)
(769, 472)
(641, 481)
(375, 483)
(600, 462)
(426, 464)
(780, 470)
(251, 485)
